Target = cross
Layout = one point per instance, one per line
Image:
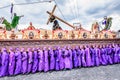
(51, 15)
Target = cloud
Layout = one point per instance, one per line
(85, 12)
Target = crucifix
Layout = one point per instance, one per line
(53, 18)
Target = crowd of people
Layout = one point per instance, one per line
(14, 61)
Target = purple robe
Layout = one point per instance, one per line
(103, 56)
(67, 60)
(35, 61)
(41, 60)
(30, 60)
(83, 58)
(97, 56)
(11, 63)
(71, 63)
(18, 57)
(109, 55)
(88, 57)
(52, 59)
(46, 62)
(24, 62)
(75, 59)
(92, 50)
(0, 61)
(61, 57)
(116, 54)
(119, 55)
(5, 61)
(57, 59)
(79, 56)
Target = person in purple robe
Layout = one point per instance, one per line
(11, 62)
(78, 52)
(35, 60)
(24, 61)
(51, 58)
(0, 60)
(88, 56)
(5, 62)
(116, 55)
(18, 57)
(92, 52)
(70, 52)
(97, 55)
(109, 54)
(30, 60)
(46, 61)
(67, 59)
(119, 53)
(57, 59)
(75, 59)
(40, 60)
(103, 55)
(84, 64)
(61, 58)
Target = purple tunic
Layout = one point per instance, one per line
(35, 61)
(30, 60)
(75, 59)
(18, 58)
(109, 55)
(41, 60)
(61, 57)
(83, 58)
(46, 62)
(119, 54)
(78, 56)
(0, 61)
(57, 59)
(11, 62)
(116, 57)
(52, 59)
(92, 56)
(97, 56)
(4, 67)
(24, 62)
(71, 63)
(88, 57)
(67, 60)
(103, 56)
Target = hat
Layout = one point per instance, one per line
(22, 49)
(28, 49)
(4, 49)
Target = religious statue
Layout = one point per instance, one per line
(95, 27)
(73, 35)
(107, 22)
(13, 35)
(46, 36)
(15, 21)
(55, 23)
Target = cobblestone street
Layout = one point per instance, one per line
(110, 72)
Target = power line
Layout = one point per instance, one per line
(72, 10)
(60, 10)
(27, 3)
(75, 9)
(78, 11)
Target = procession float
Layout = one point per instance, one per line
(32, 36)
(31, 50)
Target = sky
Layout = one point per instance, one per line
(84, 12)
